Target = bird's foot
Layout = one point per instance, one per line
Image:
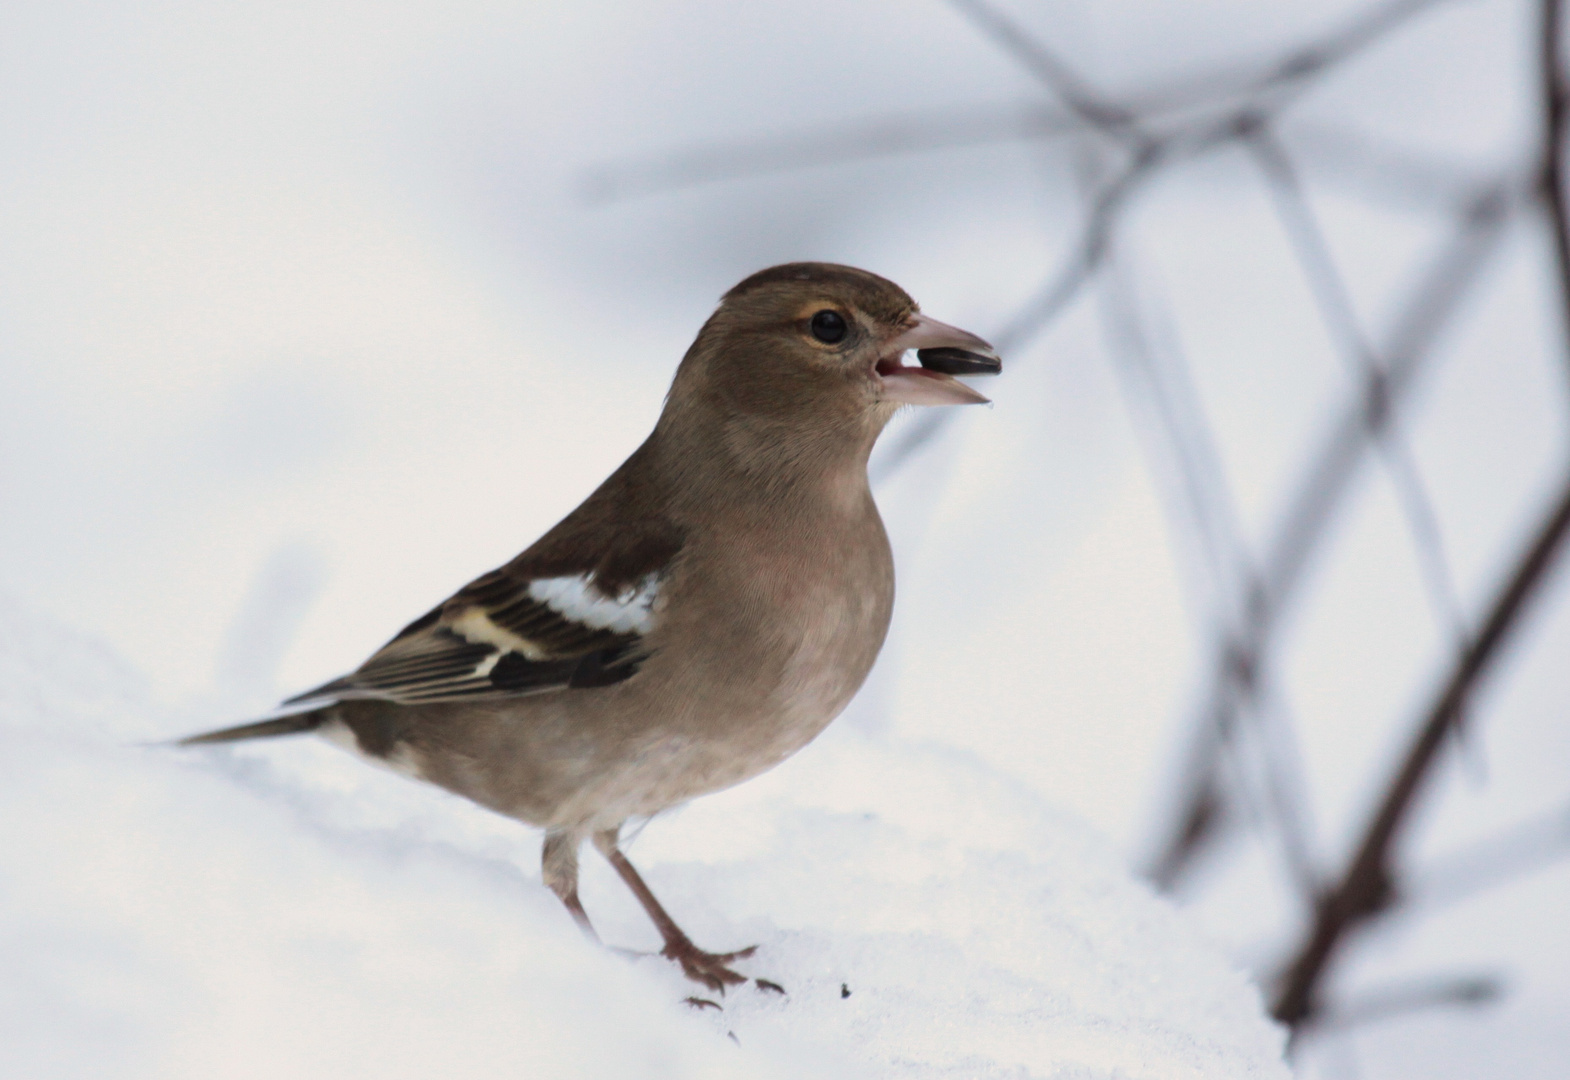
(709, 969)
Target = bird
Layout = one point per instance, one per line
(700, 617)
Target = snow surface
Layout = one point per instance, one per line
(282, 909)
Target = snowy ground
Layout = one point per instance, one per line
(286, 910)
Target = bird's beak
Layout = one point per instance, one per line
(944, 351)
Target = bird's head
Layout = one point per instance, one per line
(818, 347)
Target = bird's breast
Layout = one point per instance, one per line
(801, 626)
(840, 627)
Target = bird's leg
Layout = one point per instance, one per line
(559, 868)
(710, 969)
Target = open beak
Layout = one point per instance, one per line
(944, 351)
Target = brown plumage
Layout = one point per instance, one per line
(700, 617)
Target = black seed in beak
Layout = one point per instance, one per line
(958, 362)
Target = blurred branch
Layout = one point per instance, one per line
(827, 145)
(1366, 887)
(1429, 308)
(1380, 172)
(1290, 71)
(1180, 447)
(843, 143)
(1556, 111)
(1053, 73)
(1506, 855)
(1399, 999)
(1123, 116)
(1336, 309)
(1084, 258)
(1150, 154)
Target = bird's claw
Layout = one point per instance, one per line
(709, 969)
(701, 1003)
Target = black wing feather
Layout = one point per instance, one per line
(432, 659)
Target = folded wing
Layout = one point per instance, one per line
(506, 635)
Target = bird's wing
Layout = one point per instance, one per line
(570, 612)
(507, 634)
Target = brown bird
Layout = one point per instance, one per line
(699, 618)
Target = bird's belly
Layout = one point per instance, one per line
(772, 715)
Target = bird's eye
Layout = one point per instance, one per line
(828, 326)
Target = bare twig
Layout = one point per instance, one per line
(1150, 153)
(1180, 444)
(1084, 259)
(847, 141)
(1289, 72)
(1388, 1002)
(1365, 889)
(1335, 305)
(1518, 850)
(840, 143)
(1430, 307)
(1556, 113)
(1045, 65)
(1381, 173)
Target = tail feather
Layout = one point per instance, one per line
(261, 729)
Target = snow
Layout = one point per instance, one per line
(283, 909)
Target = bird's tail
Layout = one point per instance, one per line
(294, 724)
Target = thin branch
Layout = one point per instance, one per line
(1335, 305)
(1365, 888)
(1430, 307)
(1381, 173)
(1205, 815)
(1070, 88)
(1266, 777)
(1084, 259)
(1400, 999)
(1313, 253)
(828, 144)
(1289, 72)
(1518, 850)
(1122, 115)
(1180, 447)
(843, 142)
(1556, 113)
